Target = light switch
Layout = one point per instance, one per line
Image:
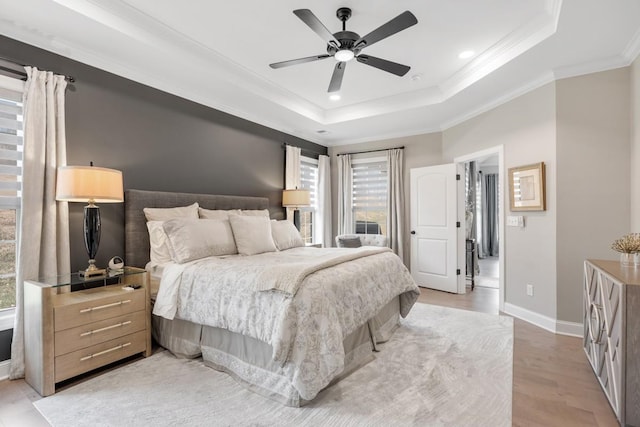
(515, 221)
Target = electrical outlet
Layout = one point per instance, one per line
(530, 290)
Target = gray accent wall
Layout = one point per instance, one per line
(159, 142)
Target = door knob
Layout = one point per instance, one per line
(413, 232)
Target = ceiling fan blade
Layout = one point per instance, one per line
(384, 65)
(401, 22)
(298, 61)
(318, 27)
(336, 78)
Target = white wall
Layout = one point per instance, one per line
(635, 145)
(526, 128)
(593, 149)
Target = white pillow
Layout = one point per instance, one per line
(164, 214)
(285, 235)
(192, 239)
(158, 243)
(252, 234)
(216, 214)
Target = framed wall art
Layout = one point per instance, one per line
(526, 184)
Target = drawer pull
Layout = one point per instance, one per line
(106, 328)
(594, 315)
(100, 353)
(100, 307)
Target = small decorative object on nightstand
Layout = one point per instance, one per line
(74, 325)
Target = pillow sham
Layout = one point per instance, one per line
(216, 214)
(191, 239)
(255, 212)
(224, 214)
(164, 214)
(158, 243)
(285, 235)
(252, 234)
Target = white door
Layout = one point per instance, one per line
(437, 209)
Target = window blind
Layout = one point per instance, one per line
(309, 179)
(10, 148)
(370, 186)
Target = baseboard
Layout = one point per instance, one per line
(545, 322)
(4, 369)
(550, 324)
(572, 329)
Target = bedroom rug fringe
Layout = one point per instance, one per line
(443, 367)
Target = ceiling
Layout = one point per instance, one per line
(217, 53)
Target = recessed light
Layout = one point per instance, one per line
(416, 77)
(334, 97)
(466, 54)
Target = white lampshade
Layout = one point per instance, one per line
(84, 183)
(295, 198)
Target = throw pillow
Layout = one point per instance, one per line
(252, 234)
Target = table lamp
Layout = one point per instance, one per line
(296, 199)
(90, 184)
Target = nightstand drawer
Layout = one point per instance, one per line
(78, 362)
(94, 333)
(96, 306)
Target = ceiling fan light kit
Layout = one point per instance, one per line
(345, 45)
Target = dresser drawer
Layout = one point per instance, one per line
(94, 333)
(81, 361)
(95, 306)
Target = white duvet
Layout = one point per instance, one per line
(306, 331)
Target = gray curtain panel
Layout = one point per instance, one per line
(395, 201)
(323, 227)
(44, 228)
(490, 217)
(345, 214)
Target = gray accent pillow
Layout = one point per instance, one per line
(349, 242)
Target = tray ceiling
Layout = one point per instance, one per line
(217, 53)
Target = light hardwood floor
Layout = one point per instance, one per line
(552, 382)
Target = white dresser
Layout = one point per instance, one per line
(612, 334)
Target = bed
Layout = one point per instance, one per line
(286, 344)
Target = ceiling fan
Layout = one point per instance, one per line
(347, 45)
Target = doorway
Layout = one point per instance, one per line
(484, 219)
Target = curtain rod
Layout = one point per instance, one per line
(70, 79)
(373, 151)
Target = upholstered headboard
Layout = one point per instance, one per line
(136, 236)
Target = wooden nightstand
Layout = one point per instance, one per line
(73, 325)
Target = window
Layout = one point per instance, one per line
(10, 185)
(308, 181)
(369, 196)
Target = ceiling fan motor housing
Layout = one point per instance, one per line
(346, 39)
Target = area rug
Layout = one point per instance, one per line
(443, 367)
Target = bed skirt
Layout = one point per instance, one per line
(249, 360)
